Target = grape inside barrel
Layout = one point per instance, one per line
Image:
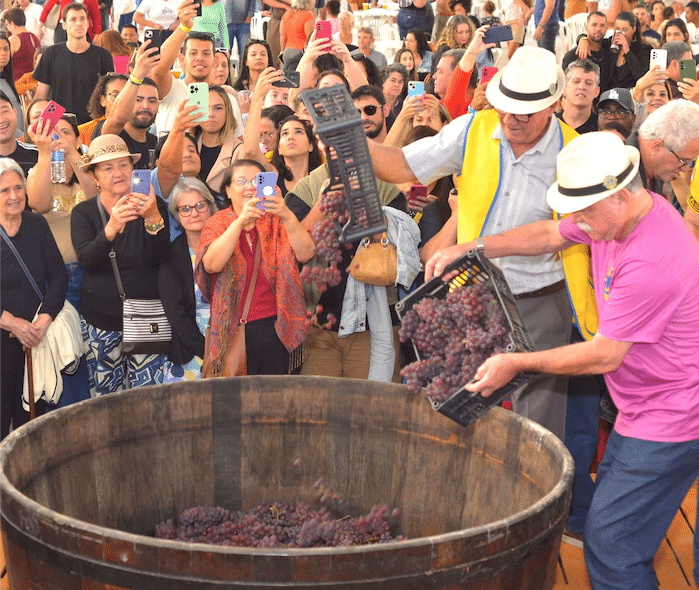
(82, 488)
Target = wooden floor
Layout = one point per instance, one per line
(673, 562)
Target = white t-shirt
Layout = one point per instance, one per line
(167, 111)
(163, 12)
(32, 14)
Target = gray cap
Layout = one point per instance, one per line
(621, 96)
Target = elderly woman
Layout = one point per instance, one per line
(19, 303)
(136, 230)
(191, 204)
(248, 258)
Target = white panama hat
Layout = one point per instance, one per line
(530, 82)
(591, 168)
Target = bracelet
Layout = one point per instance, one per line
(185, 29)
(134, 80)
(155, 228)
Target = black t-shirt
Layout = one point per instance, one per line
(208, 156)
(135, 147)
(587, 126)
(73, 76)
(26, 155)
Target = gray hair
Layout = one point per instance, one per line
(676, 50)
(188, 185)
(10, 165)
(675, 124)
(350, 15)
(302, 4)
(586, 66)
(368, 30)
(456, 54)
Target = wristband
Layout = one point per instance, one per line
(155, 228)
(135, 81)
(185, 29)
(692, 204)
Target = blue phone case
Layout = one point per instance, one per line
(140, 182)
(266, 182)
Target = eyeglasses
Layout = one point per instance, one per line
(112, 95)
(518, 118)
(609, 114)
(242, 183)
(690, 163)
(369, 109)
(186, 210)
(268, 135)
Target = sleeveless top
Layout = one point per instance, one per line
(23, 59)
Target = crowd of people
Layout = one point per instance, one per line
(606, 134)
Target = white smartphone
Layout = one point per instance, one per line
(658, 57)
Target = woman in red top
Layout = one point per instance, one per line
(296, 26)
(23, 44)
(59, 34)
(276, 320)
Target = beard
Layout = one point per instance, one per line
(375, 132)
(142, 120)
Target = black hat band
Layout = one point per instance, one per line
(609, 183)
(528, 97)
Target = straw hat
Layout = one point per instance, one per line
(531, 82)
(107, 147)
(591, 168)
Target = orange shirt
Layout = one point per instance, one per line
(293, 22)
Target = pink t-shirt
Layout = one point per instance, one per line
(647, 291)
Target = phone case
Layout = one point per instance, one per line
(140, 182)
(415, 88)
(198, 8)
(266, 182)
(417, 191)
(291, 80)
(487, 73)
(154, 36)
(53, 112)
(324, 29)
(658, 57)
(199, 96)
(121, 64)
(688, 69)
(498, 34)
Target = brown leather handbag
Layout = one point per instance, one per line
(375, 263)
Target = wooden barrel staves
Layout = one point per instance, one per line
(82, 488)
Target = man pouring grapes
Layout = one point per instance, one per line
(505, 159)
(645, 269)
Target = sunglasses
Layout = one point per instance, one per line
(369, 109)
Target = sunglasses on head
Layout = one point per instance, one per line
(369, 109)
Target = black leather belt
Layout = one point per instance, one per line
(549, 290)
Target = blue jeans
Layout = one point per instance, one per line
(640, 487)
(241, 33)
(581, 438)
(548, 38)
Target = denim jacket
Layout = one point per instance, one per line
(364, 301)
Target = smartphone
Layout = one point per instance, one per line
(199, 96)
(416, 88)
(324, 30)
(291, 79)
(154, 36)
(688, 69)
(487, 73)
(658, 57)
(121, 64)
(198, 8)
(53, 112)
(418, 192)
(140, 182)
(266, 182)
(498, 34)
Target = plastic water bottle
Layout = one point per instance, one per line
(58, 165)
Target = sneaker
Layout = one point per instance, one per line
(571, 538)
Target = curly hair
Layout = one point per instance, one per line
(448, 36)
(94, 106)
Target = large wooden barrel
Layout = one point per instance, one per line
(82, 488)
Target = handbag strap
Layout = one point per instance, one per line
(253, 281)
(7, 240)
(112, 254)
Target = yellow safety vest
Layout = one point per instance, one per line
(479, 186)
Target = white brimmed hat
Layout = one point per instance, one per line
(530, 82)
(107, 147)
(591, 168)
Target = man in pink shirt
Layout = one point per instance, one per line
(645, 269)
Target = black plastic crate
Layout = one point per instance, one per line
(463, 406)
(339, 125)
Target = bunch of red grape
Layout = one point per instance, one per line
(285, 525)
(327, 240)
(453, 336)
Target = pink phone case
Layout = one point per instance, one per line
(53, 112)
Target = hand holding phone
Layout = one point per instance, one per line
(415, 88)
(52, 113)
(140, 182)
(324, 30)
(266, 187)
(688, 69)
(658, 57)
(487, 73)
(155, 38)
(292, 79)
(198, 96)
(498, 34)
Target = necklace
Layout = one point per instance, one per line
(249, 236)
